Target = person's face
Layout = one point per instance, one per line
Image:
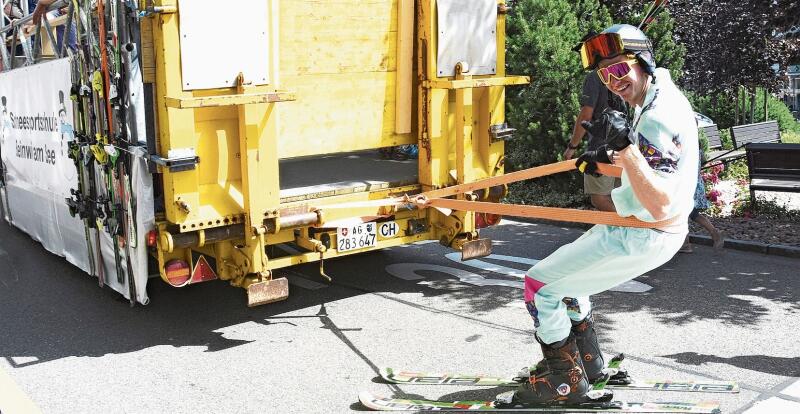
(630, 88)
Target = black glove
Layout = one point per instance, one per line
(612, 127)
(587, 163)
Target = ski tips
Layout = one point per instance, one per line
(372, 401)
(655, 9)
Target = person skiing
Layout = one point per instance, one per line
(658, 154)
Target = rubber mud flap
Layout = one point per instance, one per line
(261, 293)
(476, 248)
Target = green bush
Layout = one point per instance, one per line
(717, 106)
(735, 170)
(549, 193)
(725, 138)
(701, 135)
(790, 137)
(777, 111)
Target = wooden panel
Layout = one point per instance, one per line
(405, 65)
(338, 113)
(340, 58)
(345, 52)
(148, 53)
(337, 36)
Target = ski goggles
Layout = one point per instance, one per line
(619, 71)
(602, 46)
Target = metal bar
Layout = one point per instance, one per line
(28, 17)
(26, 47)
(230, 100)
(4, 52)
(37, 42)
(13, 50)
(477, 83)
(50, 36)
(65, 38)
(213, 235)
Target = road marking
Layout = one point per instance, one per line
(773, 405)
(792, 390)
(13, 399)
(630, 286)
(407, 271)
(503, 270)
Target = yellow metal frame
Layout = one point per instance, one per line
(366, 98)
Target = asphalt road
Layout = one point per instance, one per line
(67, 346)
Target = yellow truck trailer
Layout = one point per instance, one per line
(260, 128)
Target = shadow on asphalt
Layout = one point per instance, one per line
(785, 367)
(49, 309)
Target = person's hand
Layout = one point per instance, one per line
(38, 12)
(587, 162)
(569, 153)
(612, 127)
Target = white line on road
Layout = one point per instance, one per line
(772, 406)
(793, 390)
(13, 399)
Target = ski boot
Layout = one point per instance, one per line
(558, 380)
(591, 356)
(593, 361)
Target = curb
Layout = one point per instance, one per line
(733, 244)
(750, 246)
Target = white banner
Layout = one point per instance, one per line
(35, 128)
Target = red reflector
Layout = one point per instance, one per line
(152, 238)
(483, 220)
(178, 272)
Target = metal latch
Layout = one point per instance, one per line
(178, 160)
(501, 132)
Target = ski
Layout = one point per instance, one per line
(395, 376)
(377, 403)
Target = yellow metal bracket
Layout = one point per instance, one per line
(477, 83)
(230, 100)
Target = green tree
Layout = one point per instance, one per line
(540, 37)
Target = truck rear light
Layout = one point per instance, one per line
(152, 238)
(178, 272)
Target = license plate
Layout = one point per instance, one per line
(360, 236)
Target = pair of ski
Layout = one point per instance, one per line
(503, 401)
(101, 147)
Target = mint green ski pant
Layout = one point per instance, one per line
(557, 289)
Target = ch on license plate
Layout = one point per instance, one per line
(360, 236)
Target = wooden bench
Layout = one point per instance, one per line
(714, 140)
(715, 152)
(743, 135)
(773, 167)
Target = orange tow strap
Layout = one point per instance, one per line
(436, 199)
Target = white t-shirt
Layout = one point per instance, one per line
(665, 131)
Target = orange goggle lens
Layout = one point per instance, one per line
(602, 46)
(618, 70)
